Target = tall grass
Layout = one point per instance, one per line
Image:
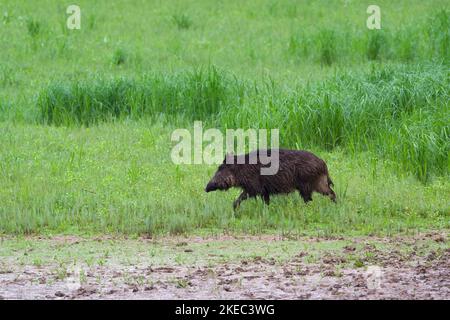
(377, 45)
(33, 28)
(395, 112)
(182, 21)
(327, 47)
(428, 40)
(439, 34)
(119, 56)
(194, 95)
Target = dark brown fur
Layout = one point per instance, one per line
(298, 170)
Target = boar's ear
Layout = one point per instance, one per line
(229, 158)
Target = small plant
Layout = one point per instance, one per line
(327, 47)
(92, 22)
(338, 272)
(182, 283)
(37, 262)
(33, 27)
(151, 228)
(273, 8)
(61, 272)
(298, 46)
(439, 35)
(119, 57)
(178, 224)
(406, 48)
(7, 76)
(292, 11)
(83, 277)
(6, 18)
(182, 21)
(375, 45)
(358, 263)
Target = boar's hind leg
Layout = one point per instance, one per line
(242, 197)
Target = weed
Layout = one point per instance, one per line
(182, 21)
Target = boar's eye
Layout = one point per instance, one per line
(221, 167)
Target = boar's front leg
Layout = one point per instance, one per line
(243, 196)
(265, 196)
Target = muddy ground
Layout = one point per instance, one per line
(267, 267)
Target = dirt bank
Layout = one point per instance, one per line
(414, 268)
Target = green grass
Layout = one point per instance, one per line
(195, 95)
(86, 115)
(118, 178)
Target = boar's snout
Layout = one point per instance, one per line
(211, 187)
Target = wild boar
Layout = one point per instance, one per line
(297, 170)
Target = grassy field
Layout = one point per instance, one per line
(86, 115)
